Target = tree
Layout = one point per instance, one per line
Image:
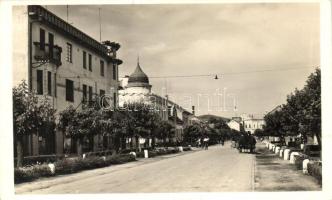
(311, 114)
(193, 132)
(301, 113)
(165, 130)
(78, 124)
(30, 113)
(143, 121)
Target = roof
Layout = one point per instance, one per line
(232, 121)
(45, 16)
(253, 119)
(138, 78)
(277, 108)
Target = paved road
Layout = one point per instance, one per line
(218, 169)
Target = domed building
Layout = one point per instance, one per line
(136, 88)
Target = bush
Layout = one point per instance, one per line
(33, 160)
(68, 166)
(126, 151)
(315, 170)
(120, 158)
(186, 149)
(30, 173)
(293, 144)
(312, 150)
(299, 160)
(99, 153)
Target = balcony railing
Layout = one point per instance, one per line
(51, 54)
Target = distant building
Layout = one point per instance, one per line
(63, 63)
(235, 123)
(250, 125)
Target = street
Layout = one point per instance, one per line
(219, 169)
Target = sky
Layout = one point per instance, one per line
(260, 52)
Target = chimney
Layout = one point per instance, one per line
(193, 110)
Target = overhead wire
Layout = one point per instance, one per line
(232, 73)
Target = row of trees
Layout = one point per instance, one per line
(301, 114)
(135, 122)
(32, 113)
(214, 128)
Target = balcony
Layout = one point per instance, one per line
(50, 54)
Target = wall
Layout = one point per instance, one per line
(252, 124)
(73, 71)
(234, 125)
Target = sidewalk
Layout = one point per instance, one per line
(272, 173)
(46, 182)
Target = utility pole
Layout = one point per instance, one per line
(67, 13)
(99, 25)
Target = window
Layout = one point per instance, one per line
(69, 90)
(102, 72)
(69, 57)
(90, 94)
(84, 93)
(102, 92)
(114, 99)
(39, 81)
(90, 62)
(84, 59)
(42, 39)
(50, 44)
(49, 83)
(114, 72)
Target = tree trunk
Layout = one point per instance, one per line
(19, 149)
(164, 141)
(123, 142)
(79, 146)
(319, 143)
(117, 143)
(131, 143)
(153, 142)
(137, 143)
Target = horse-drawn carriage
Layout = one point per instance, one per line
(245, 143)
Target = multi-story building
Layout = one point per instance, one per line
(251, 123)
(63, 63)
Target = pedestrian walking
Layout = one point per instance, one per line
(198, 142)
(206, 143)
(222, 141)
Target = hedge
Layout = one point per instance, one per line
(315, 170)
(68, 166)
(312, 150)
(33, 160)
(159, 152)
(24, 174)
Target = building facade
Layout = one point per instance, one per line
(250, 125)
(63, 63)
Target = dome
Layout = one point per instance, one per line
(138, 78)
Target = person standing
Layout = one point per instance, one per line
(206, 142)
